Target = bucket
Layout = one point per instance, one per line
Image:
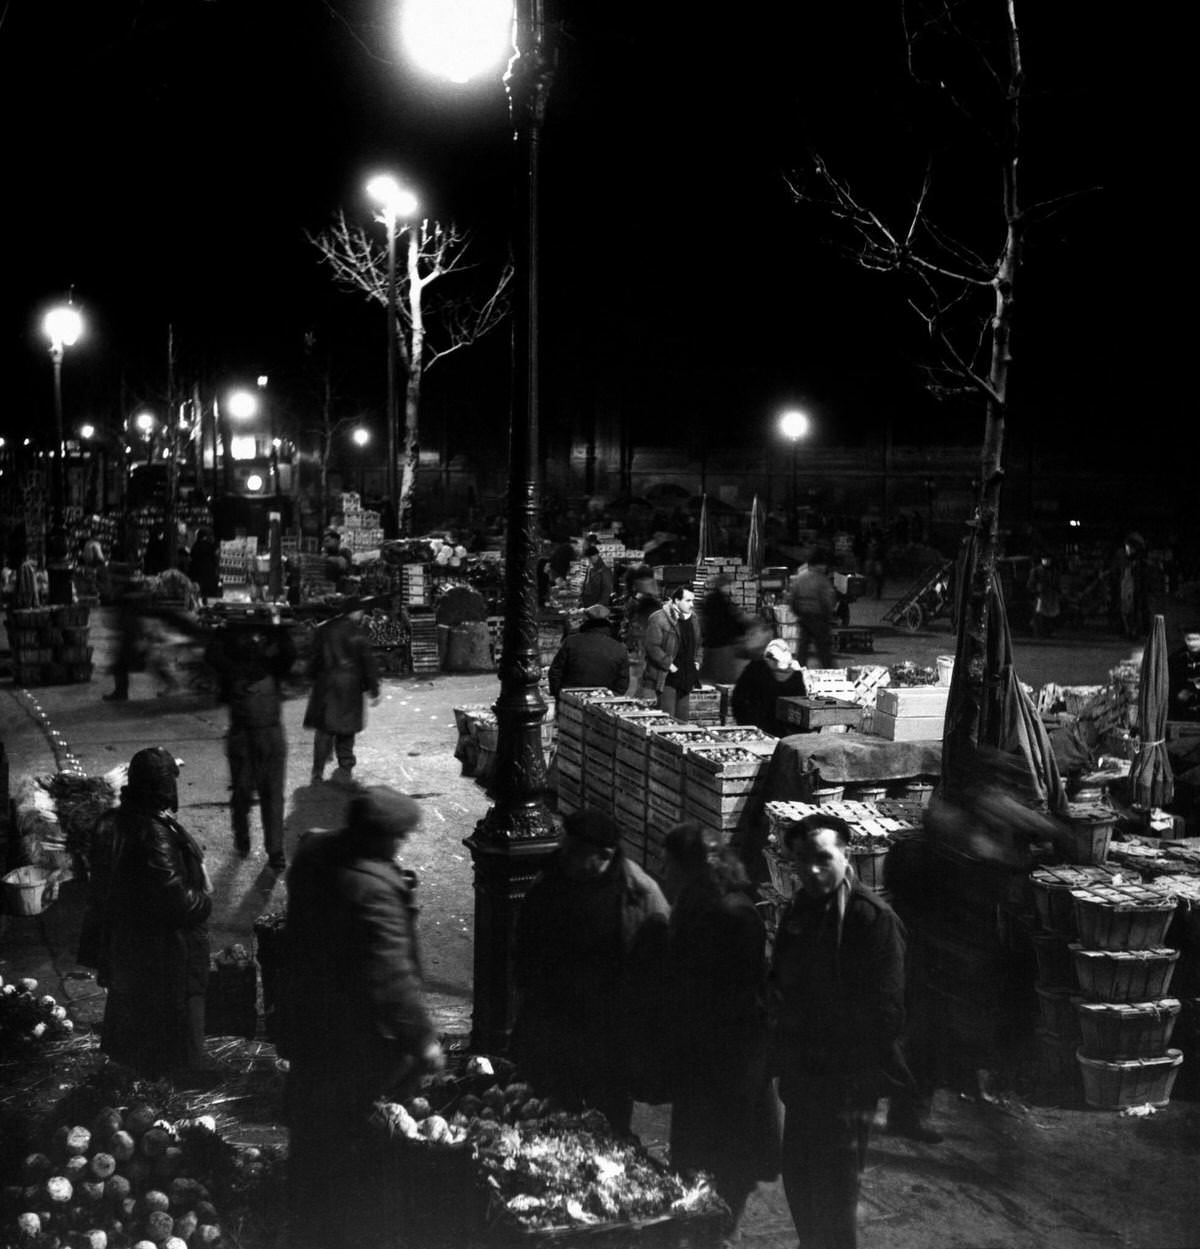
(870, 793)
(868, 863)
(945, 668)
(23, 890)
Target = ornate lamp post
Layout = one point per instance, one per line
(510, 843)
(794, 425)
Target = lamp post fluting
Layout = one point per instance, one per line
(511, 842)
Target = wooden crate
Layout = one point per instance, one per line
(631, 756)
(569, 768)
(712, 765)
(817, 711)
(711, 805)
(630, 781)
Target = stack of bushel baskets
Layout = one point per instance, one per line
(50, 644)
(1124, 970)
(1058, 1037)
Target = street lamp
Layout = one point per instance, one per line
(62, 326)
(511, 842)
(794, 425)
(396, 203)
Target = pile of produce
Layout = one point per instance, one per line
(129, 1179)
(541, 1166)
(29, 1020)
(386, 630)
(910, 674)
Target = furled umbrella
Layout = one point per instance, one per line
(702, 551)
(1151, 783)
(754, 545)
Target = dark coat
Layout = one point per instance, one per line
(350, 990)
(205, 566)
(251, 666)
(591, 657)
(590, 966)
(662, 644)
(150, 934)
(755, 694)
(840, 1012)
(344, 668)
(723, 1117)
(597, 585)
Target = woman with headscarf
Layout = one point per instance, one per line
(146, 924)
(724, 1117)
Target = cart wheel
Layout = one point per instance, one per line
(911, 618)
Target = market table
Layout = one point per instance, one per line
(849, 757)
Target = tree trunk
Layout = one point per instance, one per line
(415, 362)
(973, 623)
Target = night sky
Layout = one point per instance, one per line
(164, 159)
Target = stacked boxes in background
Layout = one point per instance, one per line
(237, 558)
(416, 585)
(743, 581)
(360, 530)
(50, 644)
(914, 713)
(423, 643)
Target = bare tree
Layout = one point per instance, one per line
(960, 282)
(431, 324)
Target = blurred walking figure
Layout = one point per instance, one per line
(142, 647)
(813, 600)
(723, 629)
(251, 664)
(204, 566)
(674, 653)
(353, 1023)
(838, 984)
(598, 583)
(724, 1117)
(1045, 586)
(642, 603)
(146, 924)
(344, 670)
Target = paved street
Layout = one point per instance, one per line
(1008, 1176)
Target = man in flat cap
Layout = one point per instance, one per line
(590, 972)
(591, 656)
(352, 1020)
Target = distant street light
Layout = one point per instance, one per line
(396, 203)
(145, 422)
(62, 326)
(242, 404)
(361, 437)
(86, 432)
(794, 425)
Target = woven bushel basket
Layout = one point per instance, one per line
(1124, 975)
(1137, 1082)
(1114, 1031)
(1121, 917)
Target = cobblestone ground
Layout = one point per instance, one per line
(1008, 1176)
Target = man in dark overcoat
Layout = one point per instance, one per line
(590, 967)
(591, 657)
(352, 1020)
(344, 669)
(838, 986)
(145, 927)
(251, 664)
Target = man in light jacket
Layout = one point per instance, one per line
(673, 654)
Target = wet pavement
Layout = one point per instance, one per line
(1009, 1175)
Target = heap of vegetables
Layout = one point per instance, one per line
(29, 1019)
(126, 1180)
(541, 1166)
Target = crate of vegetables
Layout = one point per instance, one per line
(714, 766)
(667, 744)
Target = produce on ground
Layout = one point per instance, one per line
(29, 1019)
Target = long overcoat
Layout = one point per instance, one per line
(344, 669)
(724, 1116)
(153, 938)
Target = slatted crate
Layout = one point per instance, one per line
(570, 796)
(667, 744)
(704, 705)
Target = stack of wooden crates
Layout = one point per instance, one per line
(50, 644)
